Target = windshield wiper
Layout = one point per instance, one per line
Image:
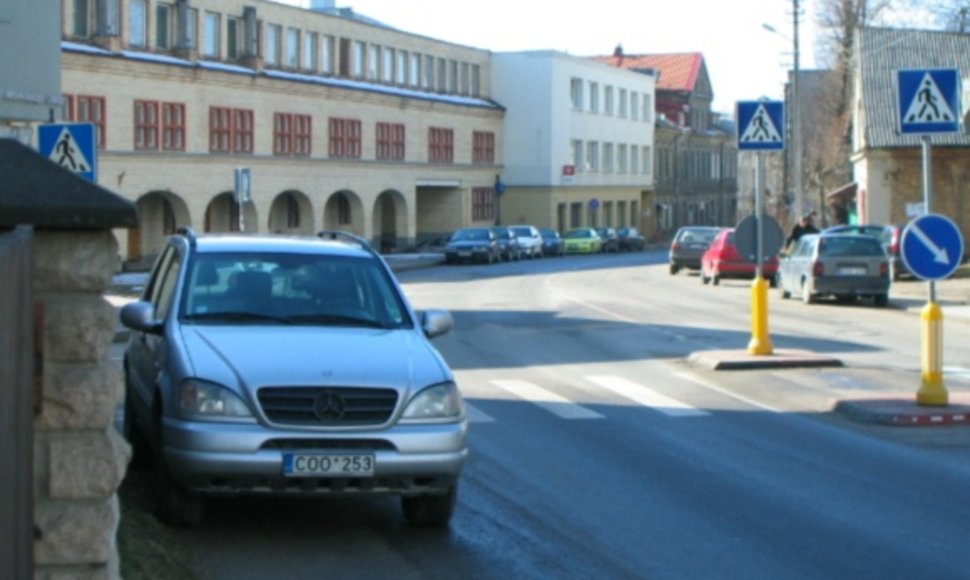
(337, 319)
(238, 316)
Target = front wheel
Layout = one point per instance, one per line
(430, 510)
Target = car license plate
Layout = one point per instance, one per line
(852, 271)
(328, 464)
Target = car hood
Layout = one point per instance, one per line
(250, 357)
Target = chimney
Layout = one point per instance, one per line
(618, 54)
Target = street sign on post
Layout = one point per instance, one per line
(931, 247)
(761, 125)
(746, 238)
(928, 100)
(73, 146)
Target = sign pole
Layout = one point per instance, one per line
(760, 343)
(932, 391)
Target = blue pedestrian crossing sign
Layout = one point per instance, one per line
(73, 146)
(761, 125)
(931, 247)
(928, 100)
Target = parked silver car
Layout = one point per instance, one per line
(284, 365)
(846, 266)
(530, 240)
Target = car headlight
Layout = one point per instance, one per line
(442, 401)
(209, 401)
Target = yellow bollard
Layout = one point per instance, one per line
(760, 341)
(932, 391)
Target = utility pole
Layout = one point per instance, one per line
(796, 113)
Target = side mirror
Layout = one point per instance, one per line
(140, 316)
(435, 323)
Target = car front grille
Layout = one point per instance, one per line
(327, 406)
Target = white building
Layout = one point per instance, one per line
(577, 140)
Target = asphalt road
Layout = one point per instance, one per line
(598, 452)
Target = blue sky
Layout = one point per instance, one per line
(744, 61)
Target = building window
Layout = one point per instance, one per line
(647, 108)
(594, 97)
(483, 148)
(390, 141)
(146, 125)
(292, 47)
(621, 214)
(483, 204)
(441, 145)
(82, 18)
(635, 106)
(387, 68)
(608, 157)
(624, 102)
(210, 44)
(360, 57)
(272, 49)
(230, 130)
(67, 113)
(414, 77)
(373, 62)
(401, 68)
(326, 55)
(466, 84)
(608, 100)
(645, 162)
(476, 80)
(442, 75)
(310, 51)
(188, 35)
(92, 110)
(575, 214)
(344, 138)
(576, 93)
(344, 215)
(592, 156)
(608, 214)
(173, 126)
(429, 72)
(453, 77)
(577, 154)
(137, 23)
(233, 36)
(634, 159)
(622, 157)
(292, 134)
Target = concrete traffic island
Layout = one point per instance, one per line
(902, 410)
(741, 359)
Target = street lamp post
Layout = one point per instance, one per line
(794, 109)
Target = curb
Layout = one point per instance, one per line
(727, 360)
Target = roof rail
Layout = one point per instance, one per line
(189, 233)
(347, 237)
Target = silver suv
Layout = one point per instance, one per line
(284, 365)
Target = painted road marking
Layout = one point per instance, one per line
(552, 402)
(647, 396)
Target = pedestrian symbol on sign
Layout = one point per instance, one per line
(67, 154)
(929, 105)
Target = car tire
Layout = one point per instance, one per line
(881, 300)
(715, 279)
(773, 281)
(704, 278)
(141, 450)
(173, 505)
(785, 294)
(430, 510)
(807, 296)
(673, 270)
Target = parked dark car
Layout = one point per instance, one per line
(688, 245)
(552, 244)
(473, 244)
(611, 241)
(889, 236)
(631, 240)
(508, 243)
(845, 266)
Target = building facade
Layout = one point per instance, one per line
(887, 166)
(696, 154)
(578, 141)
(341, 122)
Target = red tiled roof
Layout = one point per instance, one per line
(678, 72)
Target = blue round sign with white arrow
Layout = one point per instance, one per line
(931, 247)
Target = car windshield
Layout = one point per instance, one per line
(298, 289)
(849, 246)
(549, 234)
(522, 232)
(578, 234)
(704, 236)
(475, 235)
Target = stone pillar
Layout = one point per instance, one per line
(79, 457)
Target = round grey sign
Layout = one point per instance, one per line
(746, 238)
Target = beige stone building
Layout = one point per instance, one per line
(342, 122)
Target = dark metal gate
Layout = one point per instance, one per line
(16, 404)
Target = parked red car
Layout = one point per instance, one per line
(722, 260)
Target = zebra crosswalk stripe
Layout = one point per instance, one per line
(646, 396)
(546, 399)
